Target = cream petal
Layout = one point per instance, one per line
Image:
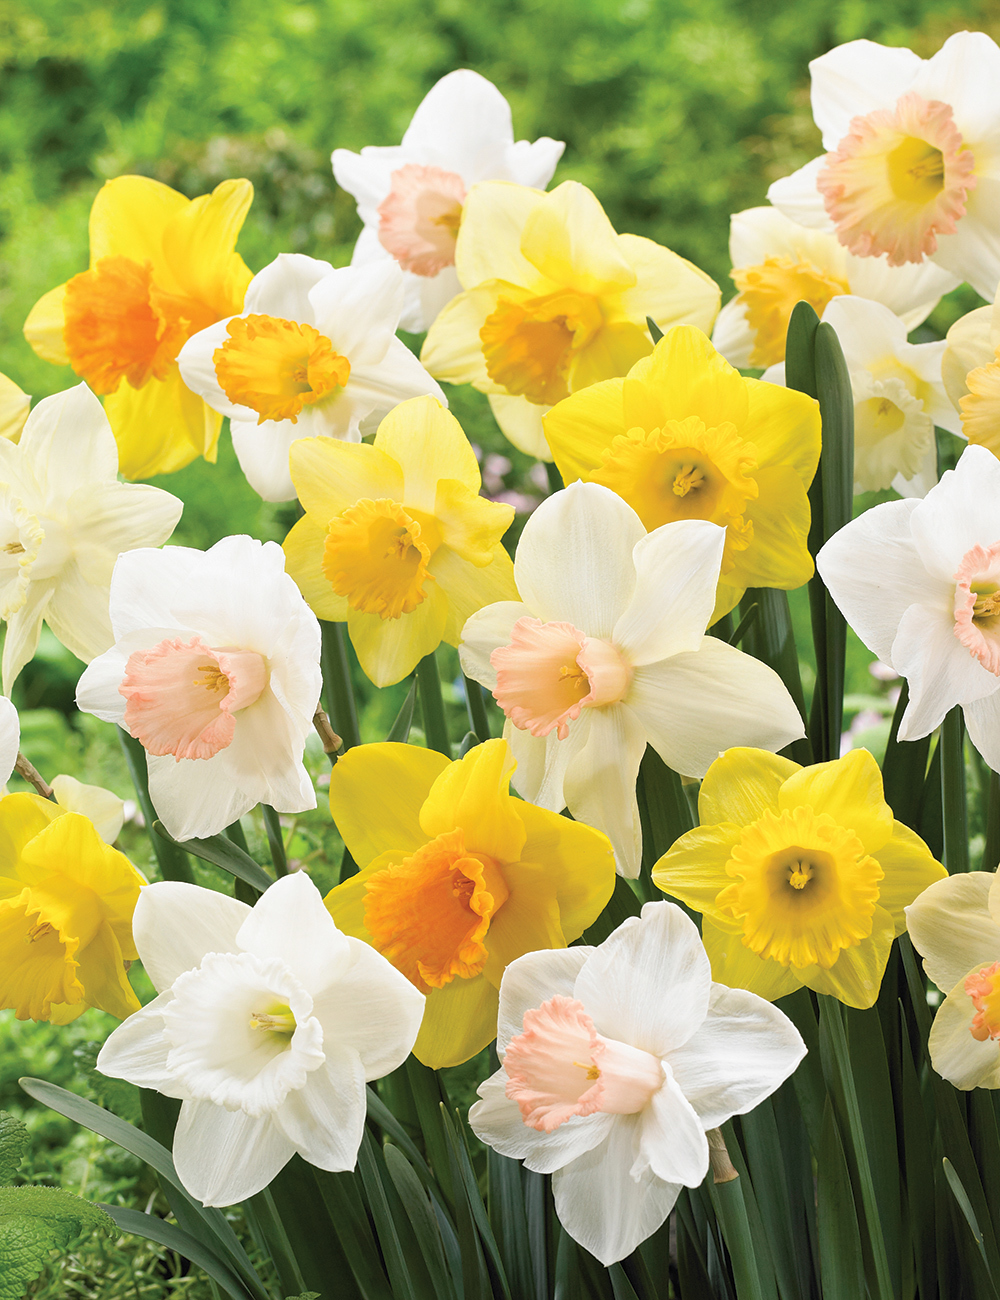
(78, 614)
(137, 1050)
(912, 291)
(982, 721)
(225, 1156)
(290, 923)
(489, 238)
(102, 807)
(599, 781)
(10, 738)
(958, 1057)
(542, 761)
(282, 288)
(521, 423)
(951, 927)
(23, 630)
(799, 199)
(672, 1142)
(325, 1119)
(68, 441)
(109, 518)
(531, 980)
(973, 252)
(358, 309)
(496, 1120)
(176, 924)
(856, 78)
(486, 631)
(732, 335)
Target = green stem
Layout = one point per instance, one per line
(475, 703)
(234, 832)
(991, 849)
(172, 861)
(953, 805)
(275, 839)
(731, 1211)
(432, 705)
(241, 890)
(555, 478)
(337, 689)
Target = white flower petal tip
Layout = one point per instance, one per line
(267, 1037)
(10, 739)
(215, 669)
(616, 1061)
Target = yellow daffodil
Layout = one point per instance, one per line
(801, 874)
(396, 539)
(458, 878)
(66, 904)
(162, 267)
(685, 436)
(554, 300)
(14, 407)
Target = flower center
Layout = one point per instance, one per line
(804, 887)
(897, 180)
(275, 367)
(981, 406)
(892, 431)
(376, 554)
(977, 605)
(685, 471)
(430, 913)
(983, 987)
(279, 1020)
(768, 293)
(560, 1067)
(182, 695)
(418, 220)
(550, 671)
(529, 346)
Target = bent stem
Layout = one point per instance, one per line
(726, 1190)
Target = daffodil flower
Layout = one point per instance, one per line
(162, 267)
(970, 370)
(14, 407)
(616, 1060)
(64, 519)
(267, 1025)
(913, 157)
(954, 926)
(554, 301)
(457, 879)
(215, 669)
(10, 739)
(410, 196)
(66, 903)
(396, 539)
(684, 436)
(801, 874)
(314, 352)
(929, 607)
(777, 263)
(607, 653)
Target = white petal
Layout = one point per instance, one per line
(732, 335)
(692, 706)
(531, 980)
(939, 670)
(672, 1142)
(426, 297)
(973, 252)
(262, 450)
(912, 291)
(225, 1156)
(799, 199)
(649, 982)
(103, 807)
(325, 1119)
(290, 923)
(137, 1050)
(376, 389)
(68, 441)
(533, 164)
(955, 1054)
(196, 360)
(574, 558)
(145, 585)
(487, 630)
(676, 574)
(742, 1052)
(175, 925)
(952, 929)
(521, 422)
(10, 739)
(282, 288)
(542, 760)
(460, 118)
(982, 721)
(868, 332)
(23, 630)
(964, 73)
(496, 1120)
(368, 177)
(599, 781)
(963, 511)
(856, 78)
(357, 308)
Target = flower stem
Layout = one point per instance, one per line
(555, 478)
(476, 704)
(726, 1190)
(991, 849)
(956, 831)
(26, 769)
(337, 686)
(275, 840)
(172, 861)
(432, 705)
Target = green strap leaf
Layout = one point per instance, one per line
(965, 1205)
(168, 1234)
(399, 732)
(222, 852)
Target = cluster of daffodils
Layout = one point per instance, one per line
(603, 637)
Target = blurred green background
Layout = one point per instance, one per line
(676, 112)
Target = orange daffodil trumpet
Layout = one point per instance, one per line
(684, 436)
(64, 519)
(313, 352)
(615, 1062)
(608, 652)
(162, 267)
(215, 670)
(410, 196)
(800, 873)
(66, 903)
(396, 539)
(914, 156)
(554, 300)
(970, 369)
(457, 879)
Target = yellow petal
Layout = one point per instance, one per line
(330, 475)
(489, 238)
(470, 524)
(473, 795)
(129, 218)
(471, 587)
(303, 549)
(70, 847)
(576, 861)
(376, 793)
(389, 648)
(199, 244)
(741, 785)
(459, 1021)
(569, 239)
(694, 869)
(22, 816)
(521, 423)
(784, 426)
(14, 407)
(615, 349)
(736, 966)
(909, 868)
(101, 971)
(529, 921)
(161, 427)
(856, 976)
(428, 444)
(582, 426)
(668, 288)
(44, 327)
(34, 975)
(849, 790)
(684, 375)
(452, 350)
(779, 555)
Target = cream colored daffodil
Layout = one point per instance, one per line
(554, 300)
(410, 196)
(162, 267)
(971, 374)
(64, 520)
(608, 653)
(777, 263)
(14, 407)
(313, 353)
(396, 539)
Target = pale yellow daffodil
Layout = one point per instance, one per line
(162, 267)
(14, 407)
(396, 539)
(554, 300)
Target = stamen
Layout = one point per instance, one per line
(14, 548)
(799, 874)
(277, 1022)
(689, 479)
(39, 931)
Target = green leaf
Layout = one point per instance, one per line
(420, 1213)
(505, 1201)
(965, 1205)
(839, 1235)
(275, 839)
(34, 1221)
(655, 333)
(432, 705)
(622, 904)
(769, 638)
(222, 852)
(399, 732)
(13, 1145)
(306, 1295)
(385, 1227)
(475, 703)
(469, 741)
(904, 768)
(167, 1234)
(337, 689)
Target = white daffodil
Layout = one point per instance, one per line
(268, 1024)
(914, 156)
(64, 519)
(616, 1062)
(777, 263)
(314, 352)
(955, 926)
(215, 669)
(919, 582)
(608, 652)
(10, 739)
(410, 196)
